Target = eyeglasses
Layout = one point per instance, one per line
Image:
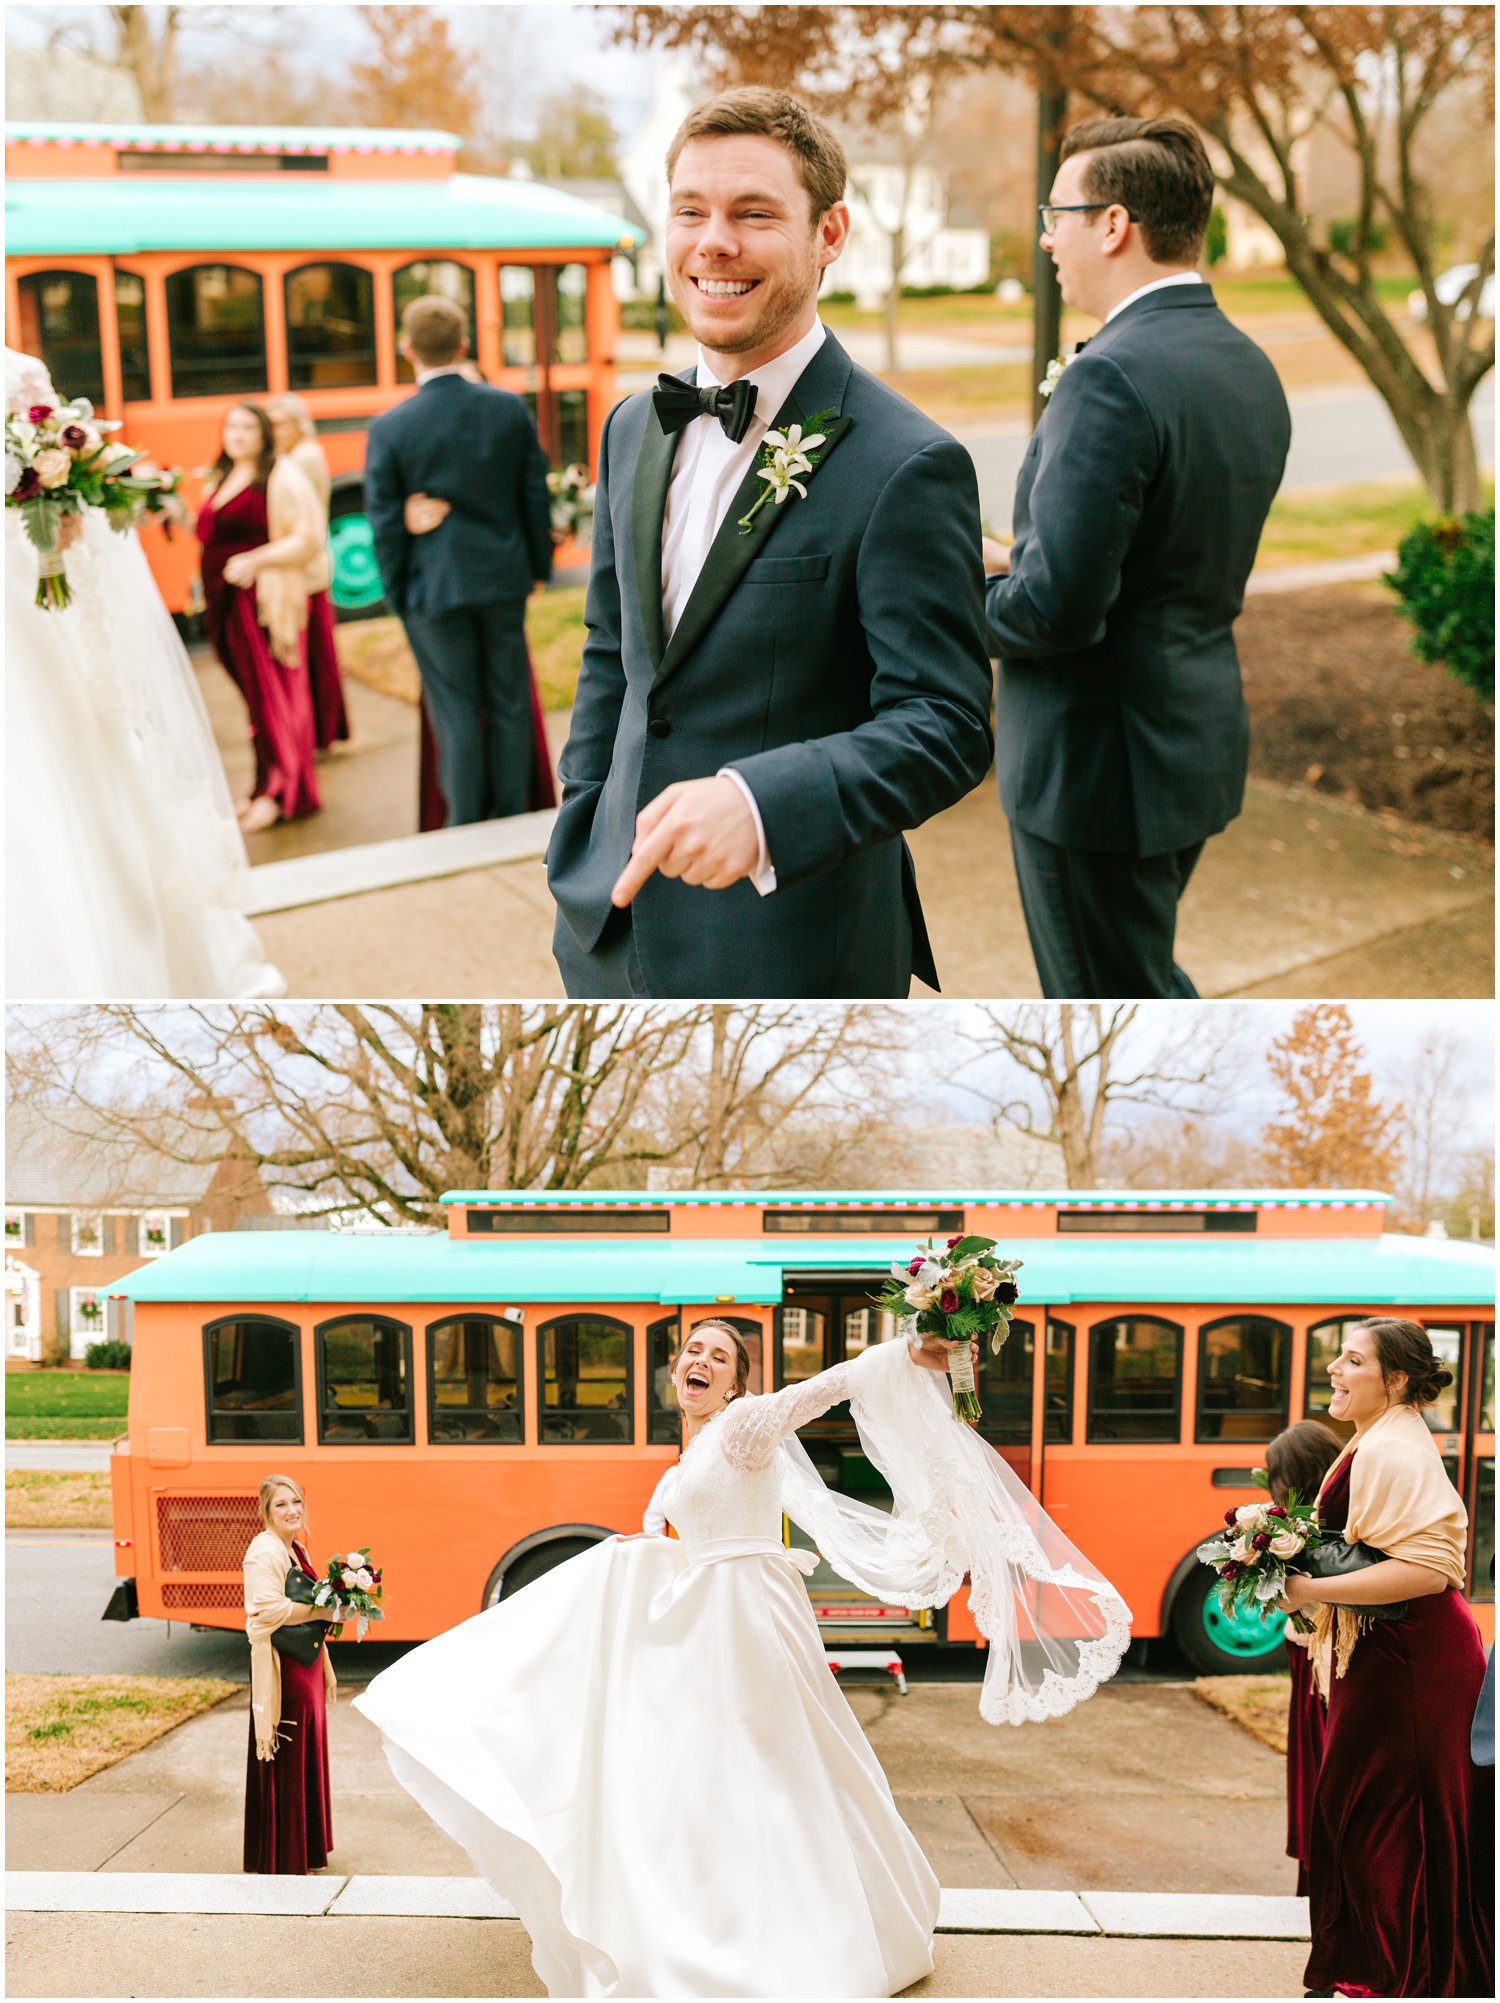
(1050, 211)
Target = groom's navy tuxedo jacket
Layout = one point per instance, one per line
(1120, 722)
(834, 656)
(475, 447)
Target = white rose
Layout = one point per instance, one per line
(52, 467)
(12, 472)
(364, 1580)
(985, 1283)
(1287, 1545)
(1242, 1549)
(920, 1297)
(350, 1578)
(1249, 1512)
(355, 1559)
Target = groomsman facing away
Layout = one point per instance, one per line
(468, 454)
(782, 673)
(1121, 729)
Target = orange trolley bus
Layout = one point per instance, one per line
(163, 271)
(480, 1404)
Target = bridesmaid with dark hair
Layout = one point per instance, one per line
(1401, 1879)
(261, 530)
(1298, 1459)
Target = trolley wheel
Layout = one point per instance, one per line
(531, 1565)
(1217, 1643)
(356, 589)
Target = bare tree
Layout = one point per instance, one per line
(1432, 1081)
(1080, 1060)
(147, 43)
(381, 1107)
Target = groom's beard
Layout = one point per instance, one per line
(780, 304)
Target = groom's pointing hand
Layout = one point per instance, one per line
(700, 830)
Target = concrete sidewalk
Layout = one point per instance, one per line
(1301, 895)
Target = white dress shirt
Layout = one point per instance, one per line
(706, 475)
(1156, 285)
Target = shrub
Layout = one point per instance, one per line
(1216, 242)
(1343, 236)
(1445, 579)
(107, 1356)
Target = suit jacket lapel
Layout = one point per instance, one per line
(820, 387)
(648, 507)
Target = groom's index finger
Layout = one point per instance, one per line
(648, 848)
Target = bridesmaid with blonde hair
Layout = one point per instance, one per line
(288, 1801)
(296, 438)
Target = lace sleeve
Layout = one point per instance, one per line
(755, 1427)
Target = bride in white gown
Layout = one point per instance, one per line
(125, 870)
(644, 1750)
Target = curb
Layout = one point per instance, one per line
(962, 1910)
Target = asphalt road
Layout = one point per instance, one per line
(1339, 436)
(58, 1583)
(60, 1456)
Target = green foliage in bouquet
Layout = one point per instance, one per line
(958, 1295)
(1445, 579)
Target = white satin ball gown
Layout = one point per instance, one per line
(125, 870)
(645, 1752)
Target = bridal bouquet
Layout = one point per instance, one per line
(1253, 1551)
(957, 1295)
(58, 460)
(352, 1583)
(572, 499)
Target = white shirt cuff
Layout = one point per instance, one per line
(763, 876)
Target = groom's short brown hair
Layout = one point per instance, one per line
(772, 114)
(434, 328)
(1159, 169)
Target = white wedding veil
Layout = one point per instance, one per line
(1055, 1626)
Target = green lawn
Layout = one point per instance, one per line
(65, 1404)
(1309, 526)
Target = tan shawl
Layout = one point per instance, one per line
(1401, 1502)
(266, 1609)
(295, 559)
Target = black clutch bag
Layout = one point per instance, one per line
(301, 1640)
(1338, 1560)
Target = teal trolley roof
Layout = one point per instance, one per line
(122, 214)
(248, 1267)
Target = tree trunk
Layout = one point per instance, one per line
(1051, 112)
(150, 60)
(893, 302)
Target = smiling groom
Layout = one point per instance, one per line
(781, 674)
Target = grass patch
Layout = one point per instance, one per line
(66, 1404)
(1260, 1703)
(958, 397)
(1313, 525)
(43, 1499)
(61, 1729)
(375, 652)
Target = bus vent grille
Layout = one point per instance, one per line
(205, 1533)
(204, 1595)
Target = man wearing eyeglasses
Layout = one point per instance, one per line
(1122, 737)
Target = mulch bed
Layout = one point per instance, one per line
(1338, 703)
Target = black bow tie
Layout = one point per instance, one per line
(678, 403)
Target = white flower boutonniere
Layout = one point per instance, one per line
(1054, 373)
(786, 455)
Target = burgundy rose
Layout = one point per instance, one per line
(73, 436)
(1232, 1570)
(1276, 1510)
(1007, 1293)
(916, 1265)
(955, 1241)
(28, 486)
(39, 413)
(1230, 1518)
(949, 1301)
(1260, 1541)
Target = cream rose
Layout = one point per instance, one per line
(984, 1283)
(51, 467)
(1287, 1545)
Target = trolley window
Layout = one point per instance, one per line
(474, 1381)
(130, 322)
(330, 326)
(60, 322)
(518, 316)
(252, 1371)
(447, 280)
(586, 1381)
(364, 1382)
(1243, 1371)
(1135, 1380)
(216, 331)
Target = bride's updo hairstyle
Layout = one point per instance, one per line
(741, 1353)
(1404, 1346)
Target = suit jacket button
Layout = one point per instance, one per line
(659, 727)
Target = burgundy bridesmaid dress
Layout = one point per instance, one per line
(432, 808)
(288, 1803)
(278, 698)
(330, 719)
(1401, 1873)
(1306, 1724)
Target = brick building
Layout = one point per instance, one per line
(82, 1212)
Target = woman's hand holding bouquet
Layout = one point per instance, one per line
(959, 1296)
(352, 1585)
(1256, 1547)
